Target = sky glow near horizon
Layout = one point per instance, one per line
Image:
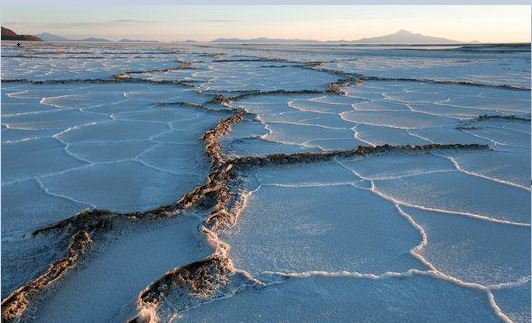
(323, 22)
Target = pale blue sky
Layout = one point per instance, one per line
(206, 22)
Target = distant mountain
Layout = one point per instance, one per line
(405, 37)
(95, 40)
(8, 34)
(52, 37)
(402, 37)
(263, 40)
(125, 40)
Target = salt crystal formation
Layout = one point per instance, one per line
(164, 182)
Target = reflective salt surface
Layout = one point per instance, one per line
(321, 298)
(267, 213)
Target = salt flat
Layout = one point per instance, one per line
(204, 182)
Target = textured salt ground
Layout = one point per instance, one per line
(447, 135)
(379, 135)
(433, 182)
(447, 110)
(503, 138)
(336, 299)
(83, 159)
(515, 301)
(494, 100)
(272, 104)
(83, 100)
(458, 192)
(301, 133)
(59, 119)
(314, 105)
(41, 157)
(13, 135)
(397, 119)
(77, 67)
(115, 130)
(24, 257)
(172, 75)
(132, 185)
(20, 217)
(396, 166)
(185, 160)
(381, 105)
(512, 168)
(336, 144)
(239, 76)
(472, 250)
(99, 152)
(456, 245)
(373, 95)
(447, 95)
(491, 70)
(19, 100)
(103, 288)
(291, 125)
(246, 138)
(246, 75)
(296, 122)
(334, 121)
(261, 147)
(291, 222)
(161, 115)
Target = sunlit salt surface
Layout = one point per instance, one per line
(84, 147)
(335, 299)
(302, 207)
(460, 246)
(513, 300)
(125, 263)
(431, 235)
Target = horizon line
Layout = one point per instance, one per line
(449, 42)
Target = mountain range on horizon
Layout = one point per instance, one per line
(401, 37)
(53, 37)
(8, 34)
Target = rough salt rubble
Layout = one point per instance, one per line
(288, 183)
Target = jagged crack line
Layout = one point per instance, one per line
(493, 179)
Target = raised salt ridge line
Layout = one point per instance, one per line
(467, 83)
(103, 81)
(360, 78)
(87, 223)
(16, 303)
(154, 244)
(221, 218)
(359, 151)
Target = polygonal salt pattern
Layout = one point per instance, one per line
(437, 235)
